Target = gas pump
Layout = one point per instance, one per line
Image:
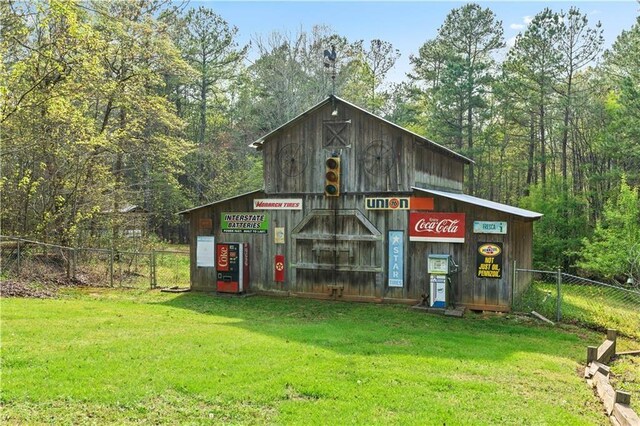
(440, 267)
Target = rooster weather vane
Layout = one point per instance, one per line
(330, 62)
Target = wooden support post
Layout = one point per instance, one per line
(612, 335)
(623, 397)
(111, 268)
(152, 273)
(592, 353)
(18, 262)
(514, 277)
(74, 260)
(559, 295)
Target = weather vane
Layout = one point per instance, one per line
(330, 62)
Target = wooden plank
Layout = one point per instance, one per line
(341, 268)
(625, 415)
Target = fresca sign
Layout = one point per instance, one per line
(278, 204)
(484, 227)
(437, 227)
(398, 203)
(244, 223)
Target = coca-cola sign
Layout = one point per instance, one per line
(436, 227)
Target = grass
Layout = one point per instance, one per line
(597, 307)
(626, 376)
(112, 356)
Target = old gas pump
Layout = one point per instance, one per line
(440, 267)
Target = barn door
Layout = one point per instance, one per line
(337, 252)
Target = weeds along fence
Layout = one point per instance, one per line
(573, 299)
(49, 263)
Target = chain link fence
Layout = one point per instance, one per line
(569, 298)
(48, 264)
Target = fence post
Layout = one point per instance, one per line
(152, 271)
(74, 259)
(514, 277)
(559, 301)
(111, 268)
(68, 258)
(18, 262)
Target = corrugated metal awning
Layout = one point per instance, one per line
(516, 211)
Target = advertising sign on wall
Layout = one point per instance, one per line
(244, 223)
(489, 260)
(437, 227)
(489, 227)
(278, 204)
(205, 252)
(398, 203)
(396, 258)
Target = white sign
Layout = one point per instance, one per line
(483, 227)
(278, 204)
(278, 236)
(206, 252)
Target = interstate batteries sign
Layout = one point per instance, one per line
(436, 227)
(244, 223)
(398, 203)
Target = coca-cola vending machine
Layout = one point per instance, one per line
(232, 267)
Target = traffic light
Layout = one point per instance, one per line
(332, 177)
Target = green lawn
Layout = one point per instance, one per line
(118, 356)
(595, 306)
(626, 376)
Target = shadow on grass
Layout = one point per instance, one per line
(372, 329)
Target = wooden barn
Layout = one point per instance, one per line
(357, 208)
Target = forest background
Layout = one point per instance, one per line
(110, 104)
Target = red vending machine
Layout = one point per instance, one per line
(232, 267)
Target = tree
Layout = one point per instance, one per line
(457, 69)
(622, 68)
(613, 252)
(533, 65)
(579, 45)
(366, 74)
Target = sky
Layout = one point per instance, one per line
(405, 24)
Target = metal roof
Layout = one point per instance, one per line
(219, 201)
(258, 143)
(483, 203)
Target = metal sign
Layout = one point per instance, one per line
(489, 260)
(205, 252)
(278, 267)
(437, 227)
(278, 235)
(244, 223)
(278, 204)
(398, 203)
(396, 259)
(485, 227)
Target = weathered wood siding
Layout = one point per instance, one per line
(437, 170)
(336, 243)
(375, 156)
(334, 247)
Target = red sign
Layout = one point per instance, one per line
(436, 227)
(222, 257)
(279, 268)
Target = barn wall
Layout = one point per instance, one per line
(375, 156)
(362, 249)
(437, 170)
